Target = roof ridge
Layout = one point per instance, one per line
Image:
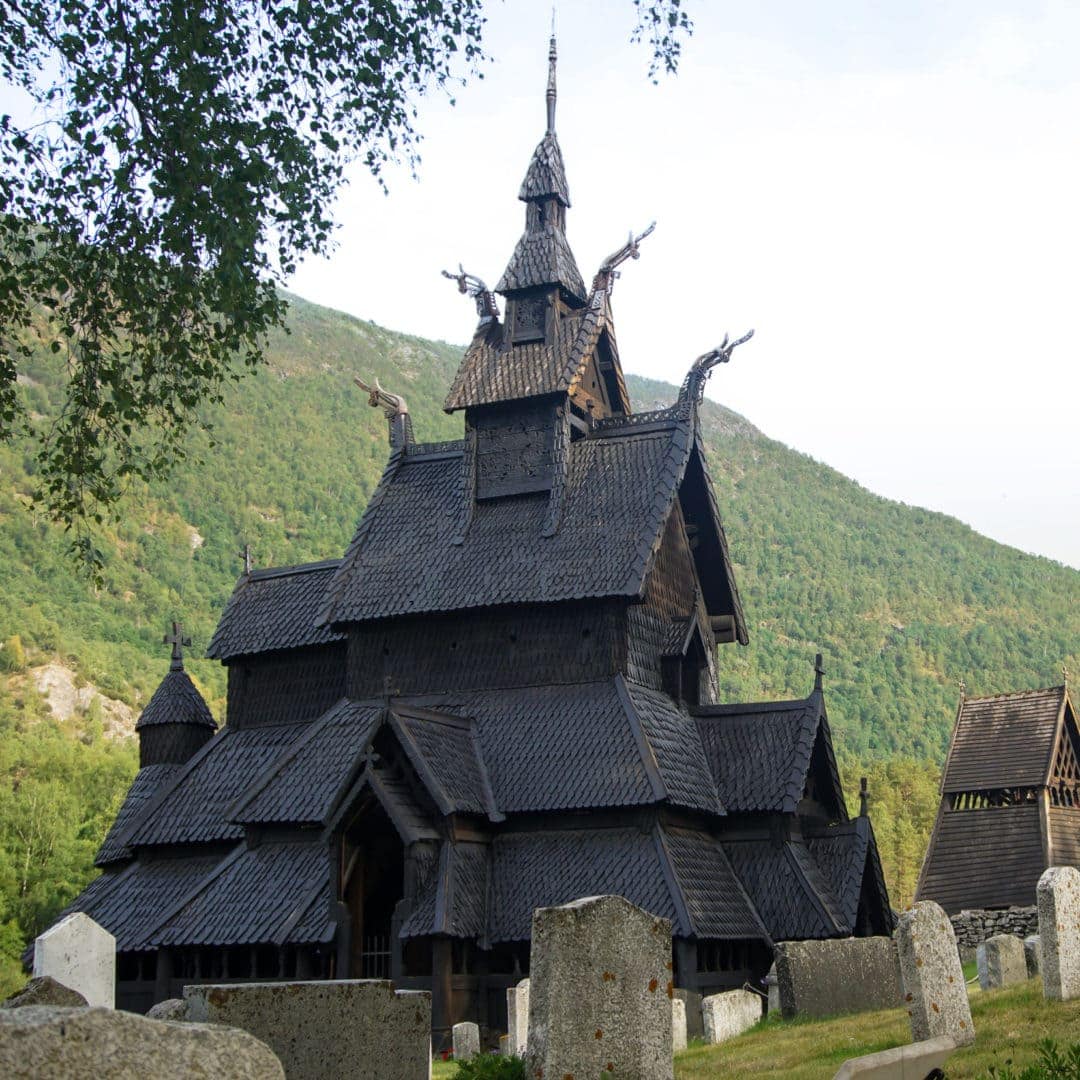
(288, 571)
(1015, 694)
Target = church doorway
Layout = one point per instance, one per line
(372, 884)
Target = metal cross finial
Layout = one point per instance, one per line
(249, 563)
(864, 797)
(819, 671)
(370, 758)
(178, 642)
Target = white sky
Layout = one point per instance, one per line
(886, 191)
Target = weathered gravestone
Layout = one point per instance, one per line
(772, 989)
(1001, 962)
(44, 991)
(466, 1041)
(823, 978)
(1031, 955)
(600, 995)
(931, 976)
(53, 1041)
(916, 1061)
(517, 1016)
(729, 1014)
(678, 1024)
(174, 1009)
(327, 1030)
(506, 1049)
(80, 955)
(1058, 897)
(695, 1029)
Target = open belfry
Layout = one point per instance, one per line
(502, 697)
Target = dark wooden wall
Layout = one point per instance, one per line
(987, 858)
(520, 646)
(514, 448)
(1065, 833)
(281, 688)
(670, 592)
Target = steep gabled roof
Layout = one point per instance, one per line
(542, 257)
(255, 896)
(847, 855)
(788, 889)
(493, 370)
(304, 783)
(453, 898)
(621, 485)
(1007, 740)
(148, 780)
(190, 807)
(274, 609)
(760, 753)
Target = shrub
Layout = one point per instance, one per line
(491, 1067)
(1053, 1064)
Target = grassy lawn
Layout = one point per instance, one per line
(1009, 1025)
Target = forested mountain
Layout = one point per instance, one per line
(902, 602)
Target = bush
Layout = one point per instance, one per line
(491, 1067)
(13, 655)
(1053, 1064)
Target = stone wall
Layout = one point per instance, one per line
(972, 928)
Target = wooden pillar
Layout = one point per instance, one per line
(442, 970)
(343, 917)
(162, 975)
(686, 963)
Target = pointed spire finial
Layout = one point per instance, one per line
(963, 688)
(552, 57)
(249, 562)
(864, 797)
(1065, 673)
(819, 671)
(178, 642)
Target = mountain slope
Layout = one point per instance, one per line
(901, 601)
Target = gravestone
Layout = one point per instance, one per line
(729, 1014)
(847, 975)
(1031, 955)
(54, 1041)
(322, 1029)
(170, 1009)
(1058, 897)
(678, 1024)
(1001, 962)
(517, 1016)
(931, 976)
(505, 1047)
(80, 955)
(915, 1061)
(466, 1041)
(600, 995)
(43, 991)
(772, 989)
(695, 1029)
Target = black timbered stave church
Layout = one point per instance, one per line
(502, 697)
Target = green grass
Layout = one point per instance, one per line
(1009, 1025)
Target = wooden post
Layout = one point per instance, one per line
(162, 975)
(686, 963)
(442, 970)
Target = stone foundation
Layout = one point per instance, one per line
(972, 928)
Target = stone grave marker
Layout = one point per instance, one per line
(517, 1016)
(505, 1047)
(54, 1041)
(1001, 962)
(931, 976)
(678, 1024)
(729, 1014)
(321, 1030)
(80, 955)
(1031, 955)
(466, 1041)
(1058, 897)
(847, 975)
(695, 1029)
(601, 990)
(916, 1061)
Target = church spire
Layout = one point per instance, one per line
(552, 57)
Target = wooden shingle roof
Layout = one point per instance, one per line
(176, 701)
(274, 609)
(1007, 740)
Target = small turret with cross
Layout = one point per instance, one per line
(179, 642)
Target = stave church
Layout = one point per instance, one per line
(501, 697)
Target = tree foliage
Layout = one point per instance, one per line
(175, 160)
